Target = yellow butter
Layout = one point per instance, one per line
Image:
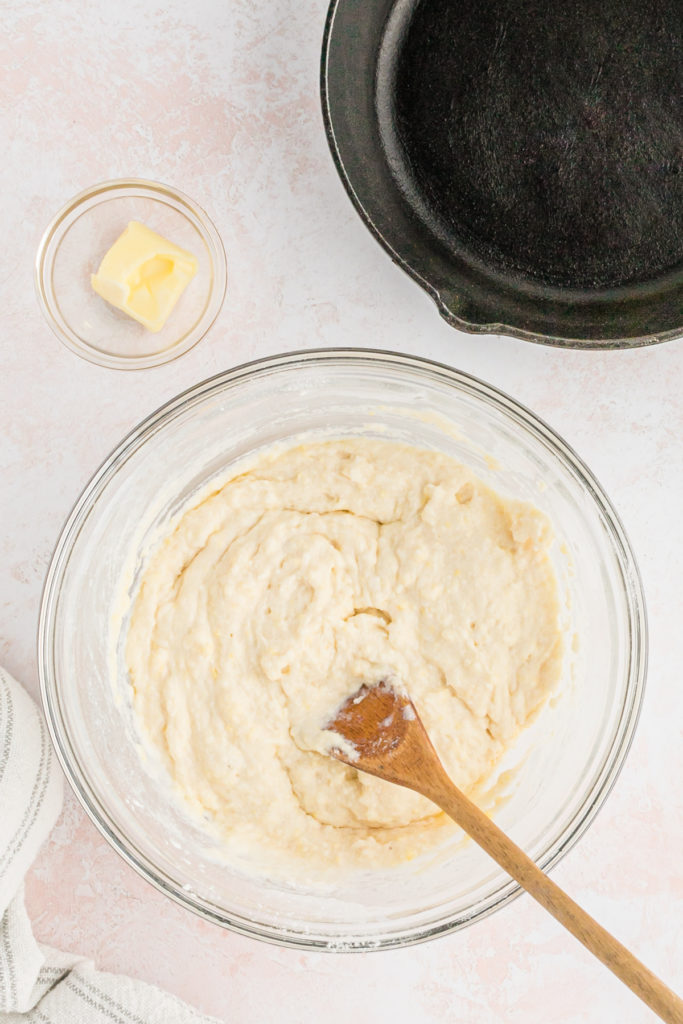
(144, 275)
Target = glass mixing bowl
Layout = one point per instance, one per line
(565, 763)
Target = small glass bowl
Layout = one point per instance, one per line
(563, 765)
(73, 246)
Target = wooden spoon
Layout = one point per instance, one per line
(381, 733)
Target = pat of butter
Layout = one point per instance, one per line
(144, 275)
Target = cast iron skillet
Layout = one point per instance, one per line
(522, 160)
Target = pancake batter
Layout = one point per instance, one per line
(316, 569)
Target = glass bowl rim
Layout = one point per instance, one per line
(304, 938)
(204, 226)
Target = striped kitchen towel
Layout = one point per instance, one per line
(37, 983)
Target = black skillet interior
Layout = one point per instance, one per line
(522, 161)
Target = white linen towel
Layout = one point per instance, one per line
(37, 983)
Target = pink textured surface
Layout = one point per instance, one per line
(221, 100)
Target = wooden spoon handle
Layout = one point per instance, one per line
(604, 946)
